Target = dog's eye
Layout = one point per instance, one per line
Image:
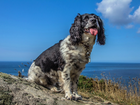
(96, 17)
(86, 18)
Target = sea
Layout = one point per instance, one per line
(123, 72)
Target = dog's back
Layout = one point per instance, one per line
(50, 59)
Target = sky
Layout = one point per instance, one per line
(28, 27)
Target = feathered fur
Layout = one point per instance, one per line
(58, 68)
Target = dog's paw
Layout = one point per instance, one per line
(76, 96)
(69, 96)
(54, 89)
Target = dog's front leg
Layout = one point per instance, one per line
(67, 81)
(74, 86)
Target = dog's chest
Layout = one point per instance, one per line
(81, 51)
(75, 53)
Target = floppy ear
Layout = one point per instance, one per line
(76, 30)
(101, 35)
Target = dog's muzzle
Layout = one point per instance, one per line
(92, 23)
(92, 26)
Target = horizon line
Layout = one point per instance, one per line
(87, 63)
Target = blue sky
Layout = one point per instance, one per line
(28, 27)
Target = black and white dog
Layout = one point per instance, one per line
(59, 67)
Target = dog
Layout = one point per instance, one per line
(58, 68)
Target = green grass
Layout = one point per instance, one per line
(5, 96)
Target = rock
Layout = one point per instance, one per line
(18, 91)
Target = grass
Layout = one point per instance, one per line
(7, 78)
(111, 90)
(5, 97)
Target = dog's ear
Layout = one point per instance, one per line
(76, 30)
(101, 35)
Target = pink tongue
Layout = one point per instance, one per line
(93, 31)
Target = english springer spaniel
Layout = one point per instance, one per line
(58, 67)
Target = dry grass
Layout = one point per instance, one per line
(111, 90)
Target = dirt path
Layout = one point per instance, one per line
(18, 91)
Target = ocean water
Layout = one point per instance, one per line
(111, 71)
(13, 67)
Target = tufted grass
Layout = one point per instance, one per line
(110, 90)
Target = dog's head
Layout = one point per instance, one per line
(88, 24)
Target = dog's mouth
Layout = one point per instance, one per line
(92, 31)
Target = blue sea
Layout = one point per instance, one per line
(111, 71)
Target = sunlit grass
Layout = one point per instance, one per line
(111, 90)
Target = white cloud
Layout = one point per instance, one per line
(118, 12)
(129, 26)
(138, 31)
(136, 16)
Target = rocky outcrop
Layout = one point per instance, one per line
(18, 91)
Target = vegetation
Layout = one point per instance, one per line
(5, 96)
(111, 90)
